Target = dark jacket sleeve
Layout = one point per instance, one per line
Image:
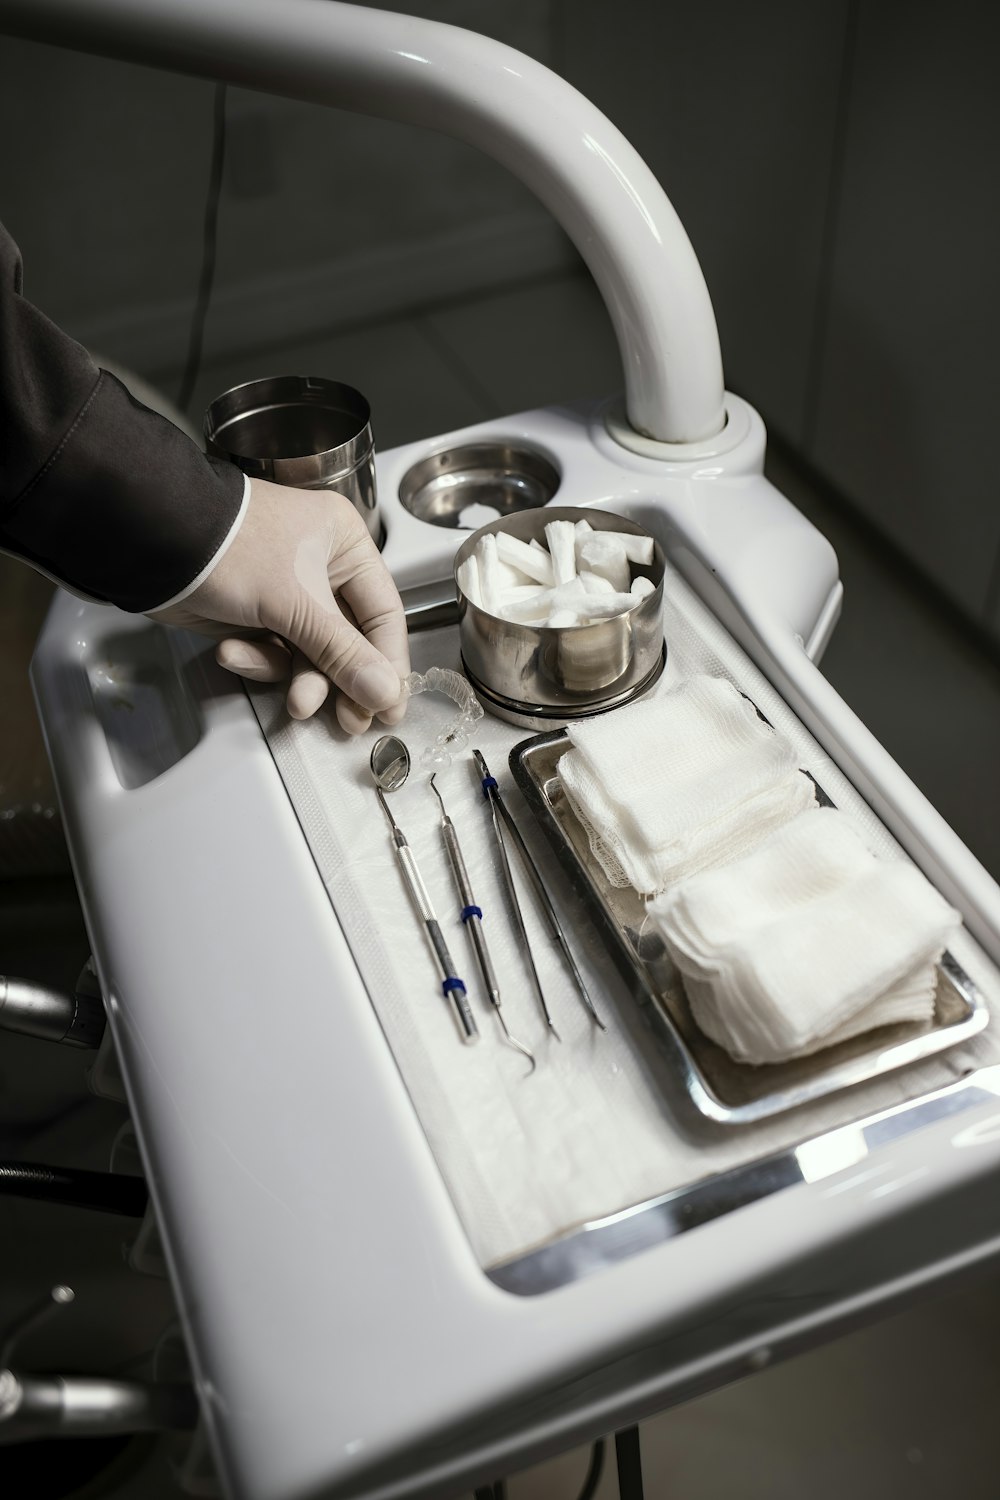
(96, 489)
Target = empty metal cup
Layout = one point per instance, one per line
(505, 475)
(300, 430)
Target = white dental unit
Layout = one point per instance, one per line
(400, 1273)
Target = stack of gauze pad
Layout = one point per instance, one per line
(806, 941)
(580, 576)
(678, 783)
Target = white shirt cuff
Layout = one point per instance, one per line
(216, 558)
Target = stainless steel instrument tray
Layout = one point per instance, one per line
(724, 1090)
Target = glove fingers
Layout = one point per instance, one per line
(261, 660)
(309, 688)
(269, 660)
(353, 719)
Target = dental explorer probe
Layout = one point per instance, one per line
(472, 916)
(489, 792)
(492, 790)
(390, 761)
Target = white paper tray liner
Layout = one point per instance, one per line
(602, 1124)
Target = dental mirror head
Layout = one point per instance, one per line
(390, 763)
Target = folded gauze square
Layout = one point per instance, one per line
(805, 941)
(689, 779)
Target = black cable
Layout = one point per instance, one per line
(209, 241)
(593, 1478)
(109, 1192)
(629, 1464)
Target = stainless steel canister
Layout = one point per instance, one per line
(537, 675)
(300, 430)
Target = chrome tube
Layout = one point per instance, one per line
(52, 1406)
(53, 1016)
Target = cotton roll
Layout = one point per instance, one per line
(561, 537)
(638, 549)
(490, 584)
(605, 556)
(468, 580)
(532, 561)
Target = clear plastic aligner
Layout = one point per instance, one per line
(454, 736)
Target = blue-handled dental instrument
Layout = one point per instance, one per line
(390, 763)
(472, 916)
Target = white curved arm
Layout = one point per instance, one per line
(529, 119)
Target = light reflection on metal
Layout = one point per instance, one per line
(831, 1153)
(609, 1241)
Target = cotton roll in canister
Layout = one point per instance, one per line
(532, 561)
(533, 671)
(561, 539)
(605, 556)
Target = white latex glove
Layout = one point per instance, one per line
(310, 598)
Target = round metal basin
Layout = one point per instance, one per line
(505, 476)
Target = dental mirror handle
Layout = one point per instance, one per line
(454, 989)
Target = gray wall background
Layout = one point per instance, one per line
(834, 162)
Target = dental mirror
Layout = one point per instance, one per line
(390, 766)
(390, 763)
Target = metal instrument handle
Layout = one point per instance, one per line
(515, 907)
(475, 926)
(445, 961)
(545, 901)
(414, 881)
(454, 852)
(473, 921)
(531, 870)
(454, 989)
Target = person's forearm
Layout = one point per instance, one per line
(117, 503)
(96, 489)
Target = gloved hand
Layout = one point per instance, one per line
(310, 598)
